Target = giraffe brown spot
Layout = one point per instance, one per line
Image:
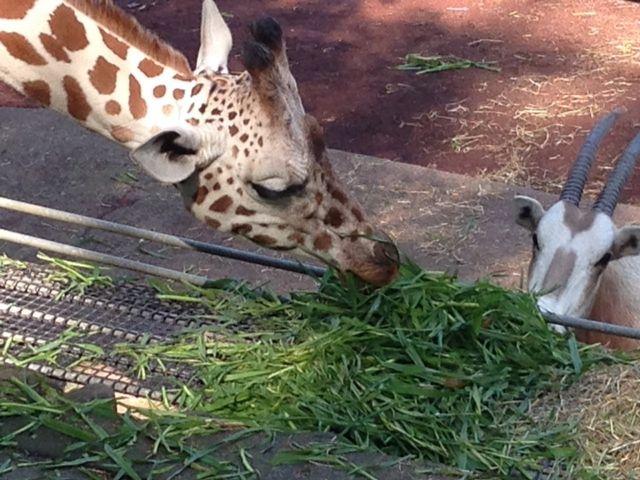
(246, 152)
(20, 48)
(167, 110)
(208, 176)
(334, 218)
(241, 210)
(265, 240)
(241, 229)
(202, 108)
(358, 214)
(193, 121)
(222, 204)
(212, 222)
(297, 237)
(234, 151)
(201, 195)
(322, 242)
(38, 90)
(245, 121)
(319, 198)
(338, 194)
(150, 68)
(239, 191)
(159, 91)
(219, 169)
(103, 76)
(53, 48)
(122, 134)
(77, 104)
(184, 78)
(232, 115)
(244, 137)
(230, 181)
(66, 27)
(260, 141)
(15, 9)
(137, 105)
(113, 108)
(178, 94)
(216, 111)
(196, 90)
(233, 130)
(114, 44)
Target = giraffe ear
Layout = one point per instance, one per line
(215, 40)
(170, 156)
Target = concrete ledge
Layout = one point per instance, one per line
(443, 221)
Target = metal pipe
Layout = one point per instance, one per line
(91, 256)
(585, 324)
(227, 252)
(181, 242)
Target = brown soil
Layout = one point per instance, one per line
(562, 64)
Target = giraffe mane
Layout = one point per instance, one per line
(125, 26)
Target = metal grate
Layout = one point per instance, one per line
(30, 316)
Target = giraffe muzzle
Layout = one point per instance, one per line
(381, 266)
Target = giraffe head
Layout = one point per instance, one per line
(247, 159)
(572, 247)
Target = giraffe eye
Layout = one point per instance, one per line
(270, 194)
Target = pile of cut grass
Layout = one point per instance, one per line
(426, 367)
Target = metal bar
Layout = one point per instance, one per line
(90, 255)
(181, 242)
(219, 250)
(586, 324)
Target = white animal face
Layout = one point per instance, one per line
(571, 249)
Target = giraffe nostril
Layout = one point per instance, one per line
(386, 252)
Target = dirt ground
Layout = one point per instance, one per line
(562, 63)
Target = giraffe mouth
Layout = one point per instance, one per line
(329, 263)
(378, 267)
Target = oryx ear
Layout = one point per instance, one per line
(528, 212)
(215, 40)
(170, 156)
(627, 242)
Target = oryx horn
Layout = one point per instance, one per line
(608, 199)
(573, 187)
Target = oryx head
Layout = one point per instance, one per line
(572, 246)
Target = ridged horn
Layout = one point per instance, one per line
(608, 199)
(573, 187)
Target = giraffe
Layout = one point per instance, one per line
(240, 148)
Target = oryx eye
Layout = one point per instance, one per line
(604, 261)
(536, 245)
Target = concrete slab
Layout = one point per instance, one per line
(442, 221)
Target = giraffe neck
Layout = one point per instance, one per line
(97, 65)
